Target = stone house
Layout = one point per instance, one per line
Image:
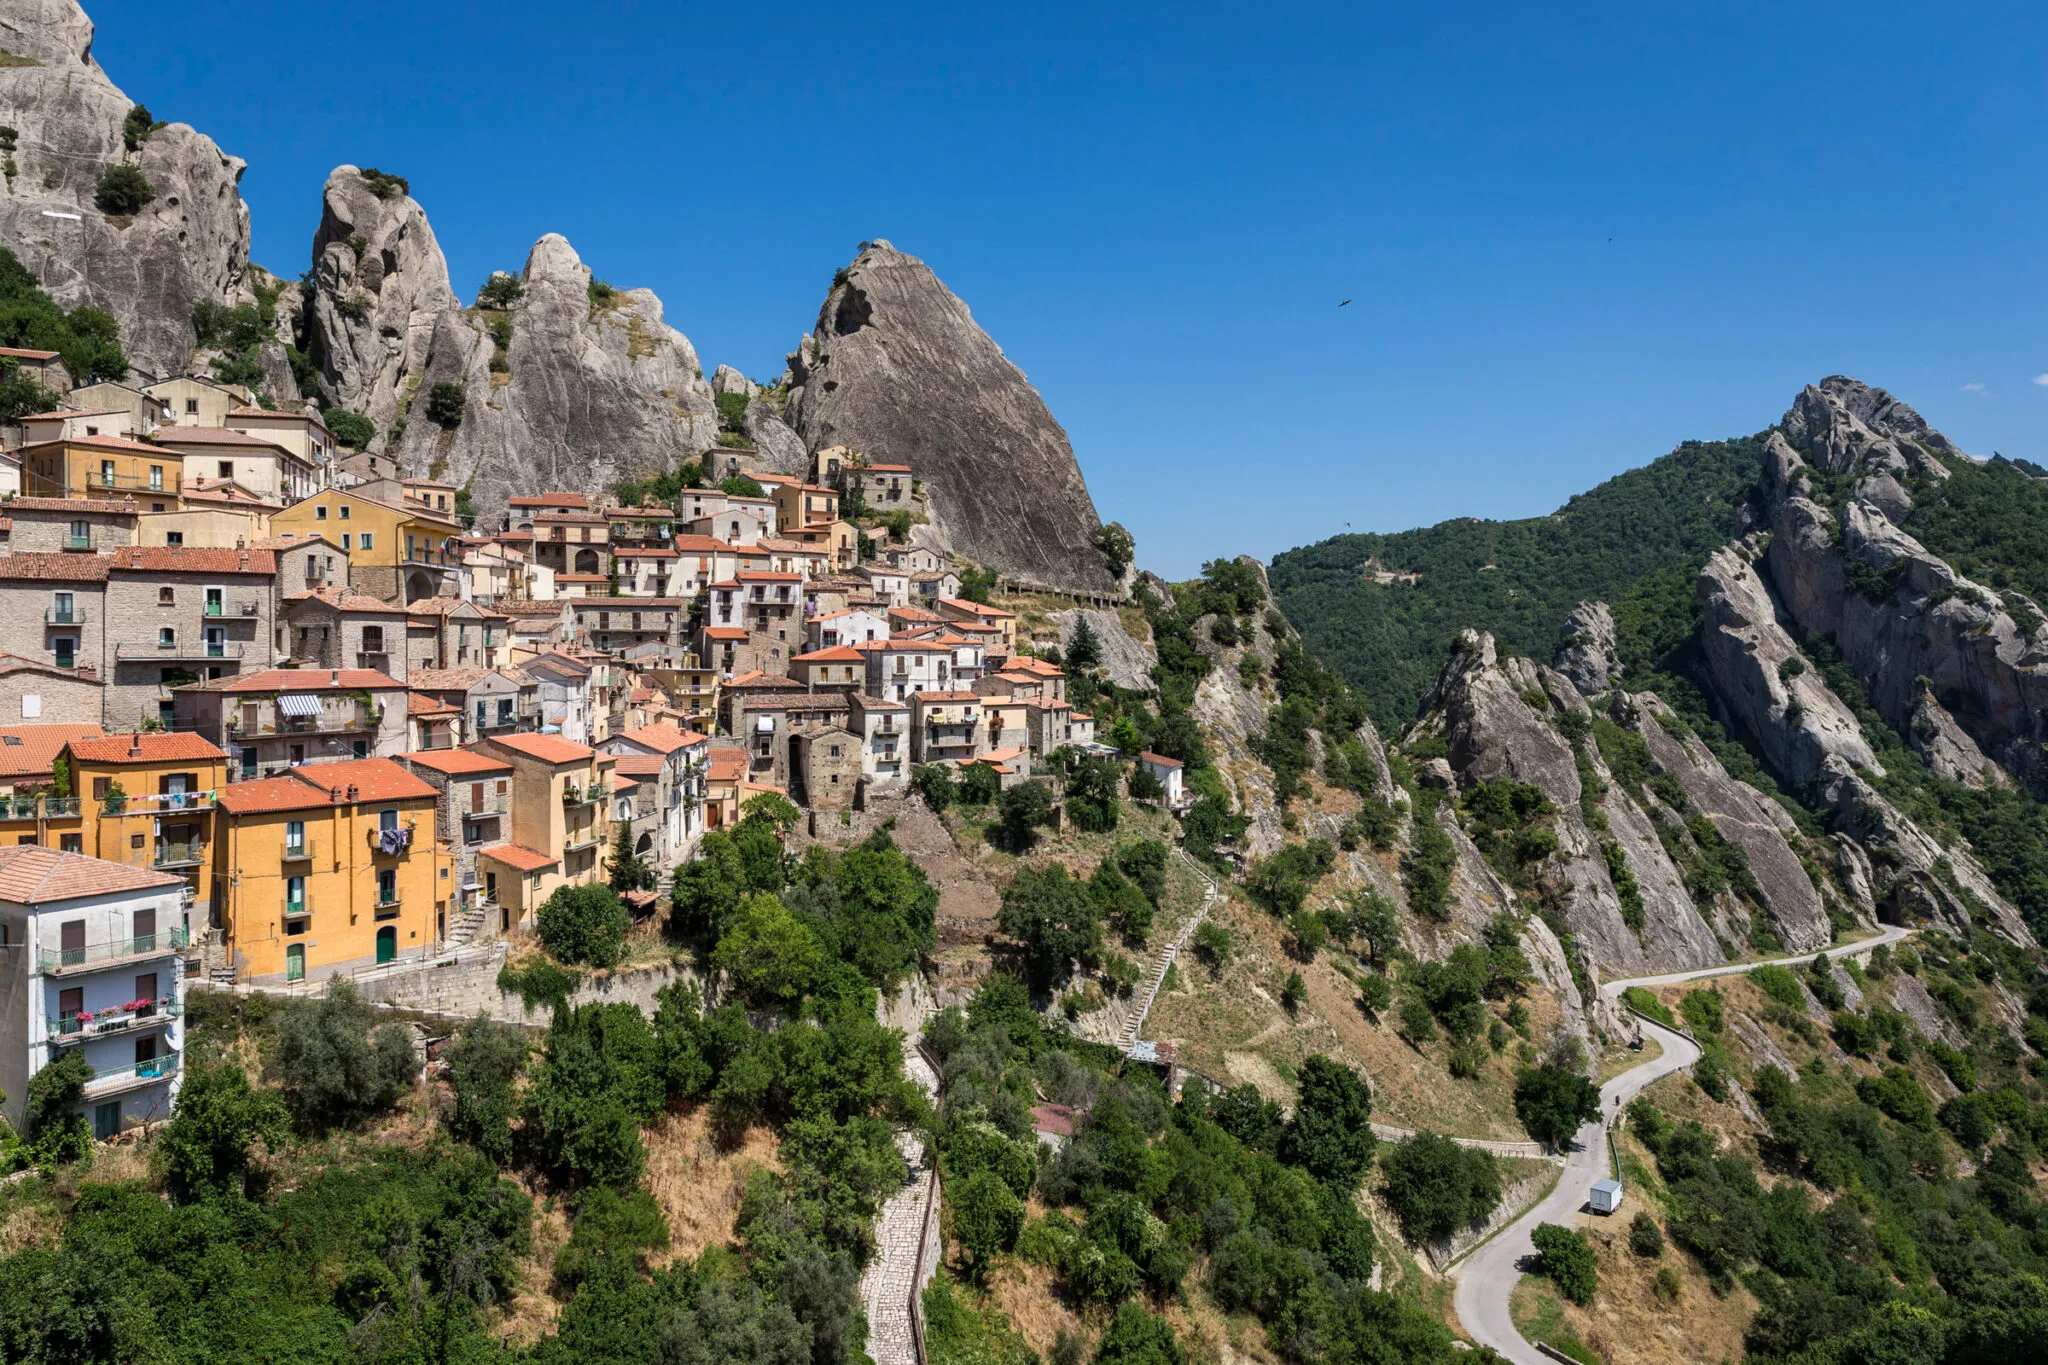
(59, 524)
(494, 701)
(431, 723)
(914, 559)
(881, 487)
(891, 585)
(53, 607)
(302, 433)
(826, 773)
(645, 571)
(286, 718)
(140, 413)
(700, 562)
(572, 542)
(40, 693)
(931, 586)
(1049, 722)
(769, 725)
(883, 730)
(176, 615)
(946, 727)
(851, 625)
(806, 558)
(536, 626)
(472, 812)
(616, 625)
(742, 521)
(805, 504)
(1169, 771)
(447, 632)
(955, 608)
(564, 692)
(520, 511)
(332, 627)
(839, 668)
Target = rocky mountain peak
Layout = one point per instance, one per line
(1843, 425)
(898, 369)
(189, 243)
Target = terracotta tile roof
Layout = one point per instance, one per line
(22, 353)
(700, 545)
(267, 794)
(764, 576)
(292, 542)
(651, 552)
(171, 746)
(114, 507)
(456, 761)
(210, 436)
(445, 679)
(550, 500)
(1159, 760)
(67, 413)
(55, 568)
(663, 738)
(445, 606)
(913, 614)
(227, 491)
(31, 875)
(374, 779)
(104, 443)
(947, 696)
(882, 703)
(881, 469)
(14, 663)
(533, 609)
(28, 751)
(831, 654)
(800, 701)
(547, 748)
(727, 764)
(641, 765)
(193, 559)
(1055, 1119)
(300, 680)
(517, 856)
(341, 599)
(710, 632)
(267, 412)
(419, 704)
(624, 603)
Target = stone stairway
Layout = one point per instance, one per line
(1157, 976)
(906, 1236)
(468, 925)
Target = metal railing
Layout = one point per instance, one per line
(70, 1028)
(182, 649)
(149, 1069)
(309, 725)
(177, 853)
(38, 807)
(64, 616)
(403, 842)
(115, 950)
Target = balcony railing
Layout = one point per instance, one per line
(323, 724)
(298, 853)
(122, 1077)
(115, 950)
(33, 808)
(181, 649)
(576, 843)
(216, 609)
(78, 542)
(392, 842)
(161, 803)
(174, 853)
(64, 616)
(76, 1028)
(585, 796)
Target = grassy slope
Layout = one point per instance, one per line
(1388, 641)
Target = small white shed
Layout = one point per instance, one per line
(1606, 1196)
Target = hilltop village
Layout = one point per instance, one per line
(302, 717)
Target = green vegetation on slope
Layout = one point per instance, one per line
(1990, 522)
(1517, 579)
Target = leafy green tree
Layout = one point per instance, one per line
(1330, 1135)
(600, 1077)
(1212, 943)
(707, 889)
(740, 486)
(500, 291)
(335, 1064)
(1565, 1258)
(1136, 1337)
(485, 1061)
(1094, 793)
(57, 1133)
(768, 952)
(21, 395)
(350, 429)
(978, 786)
(1144, 862)
(1053, 916)
(1374, 919)
(583, 924)
(88, 339)
(627, 870)
(1375, 994)
(1119, 901)
(1116, 546)
(1554, 1102)
(445, 403)
(122, 191)
(987, 1217)
(1021, 811)
(1436, 1187)
(204, 1152)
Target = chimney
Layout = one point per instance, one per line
(240, 542)
(135, 745)
(351, 791)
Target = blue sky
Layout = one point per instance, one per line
(1573, 236)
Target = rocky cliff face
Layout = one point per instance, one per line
(1588, 654)
(189, 244)
(380, 289)
(898, 369)
(596, 389)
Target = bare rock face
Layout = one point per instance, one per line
(1125, 661)
(380, 289)
(1948, 749)
(1745, 817)
(1760, 678)
(1498, 720)
(782, 450)
(1588, 655)
(725, 379)
(597, 391)
(1845, 425)
(898, 369)
(187, 245)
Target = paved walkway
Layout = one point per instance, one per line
(906, 1240)
(1136, 1022)
(1487, 1279)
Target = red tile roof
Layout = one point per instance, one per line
(550, 500)
(193, 559)
(374, 779)
(517, 856)
(832, 654)
(22, 353)
(29, 751)
(301, 680)
(420, 704)
(663, 738)
(727, 765)
(455, 761)
(210, 436)
(267, 794)
(641, 765)
(55, 568)
(31, 874)
(547, 748)
(1159, 760)
(103, 443)
(120, 507)
(171, 746)
(341, 599)
(710, 632)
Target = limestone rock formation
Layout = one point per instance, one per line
(1588, 654)
(188, 244)
(1948, 749)
(725, 379)
(598, 388)
(782, 450)
(898, 369)
(1125, 661)
(380, 287)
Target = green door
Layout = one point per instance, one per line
(387, 943)
(106, 1120)
(295, 962)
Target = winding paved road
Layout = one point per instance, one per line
(1488, 1277)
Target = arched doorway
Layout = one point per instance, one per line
(644, 847)
(419, 585)
(586, 561)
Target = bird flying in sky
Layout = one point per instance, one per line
(1345, 304)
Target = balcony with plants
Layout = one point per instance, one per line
(93, 956)
(133, 1017)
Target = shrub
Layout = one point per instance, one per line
(500, 292)
(385, 185)
(1565, 1258)
(1374, 995)
(351, 429)
(1212, 943)
(445, 402)
(1553, 1102)
(770, 954)
(583, 924)
(1645, 1238)
(1780, 985)
(1667, 1287)
(1703, 1010)
(1418, 1025)
(205, 1150)
(137, 126)
(122, 191)
(987, 1218)
(335, 1063)
(1436, 1187)
(484, 1062)
(57, 1134)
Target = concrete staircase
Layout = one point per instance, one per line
(1157, 977)
(468, 926)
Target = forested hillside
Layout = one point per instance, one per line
(1516, 579)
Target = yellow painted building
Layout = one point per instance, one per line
(398, 554)
(331, 866)
(104, 467)
(561, 822)
(148, 801)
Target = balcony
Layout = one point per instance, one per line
(181, 649)
(173, 853)
(57, 961)
(64, 616)
(327, 723)
(572, 796)
(389, 909)
(117, 1079)
(163, 803)
(129, 1018)
(390, 843)
(576, 842)
(493, 804)
(505, 722)
(298, 853)
(32, 808)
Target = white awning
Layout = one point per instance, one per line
(298, 704)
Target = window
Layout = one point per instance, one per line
(192, 405)
(135, 841)
(64, 651)
(369, 538)
(373, 639)
(72, 843)
(387, 886)
(344, 511)
(226, 469)
(345, 543)
(79, 530)
(294, 838)
(107, 472)
(387, 819)
(166, 636)
(156, 478)
(167, 597)
(319, 514)
(359, 748)
(63, 609)
(295, 894)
